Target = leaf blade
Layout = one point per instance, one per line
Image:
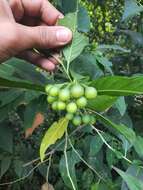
(55, 132)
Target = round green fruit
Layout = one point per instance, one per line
(64, 94)
(90, 92)
(61, 105)
(92, 120)
(77, 91)
(81, 102)
(47, 88)
(69, 116)
(77, 120)
(86, 119)
(71, 107)
(54, 106)
(54, 91)
(50, 99)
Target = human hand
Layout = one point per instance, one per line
(28, 24)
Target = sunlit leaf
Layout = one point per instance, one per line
(55, 132)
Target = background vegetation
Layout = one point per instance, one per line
(115, 30)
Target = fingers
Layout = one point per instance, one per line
(5, 11)
(48, 64)
(35, 8)
(42, 37)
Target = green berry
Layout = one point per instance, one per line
(64, 94)
(50, 99)
(54, 91)
(54, 106)
(61, 105)
(86, 119)
(47, 88)
(90, 92)
(69, 116)
(92, 120)
(77, 91)
(81, 102)
(71, 107)
(77, 120)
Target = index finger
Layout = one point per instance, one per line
(42, 9)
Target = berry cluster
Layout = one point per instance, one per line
(73, 99)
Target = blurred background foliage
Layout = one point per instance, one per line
(115, 30)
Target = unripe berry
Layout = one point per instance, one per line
(64, 94)
(61, 105)
(90, 92)
(69, 116)
(50, 99)
(81, 102)
(86, 119)
(54, 106)
(77, 91)
(54, 91)
(77, 120)
(47, 88)
(71, 107)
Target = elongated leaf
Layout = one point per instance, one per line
(20, 84)
(72, 160)
(4, 166)
(112, 47)
(76, 47)
(83, 20)
(79, 40)
(101, 103)
(119, 86)
(131, 9)
(122, 129)
(139, 146)
(55, 132)
(133, 183)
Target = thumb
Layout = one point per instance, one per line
(43, 36)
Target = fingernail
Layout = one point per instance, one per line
(61, 16)
(63, 35)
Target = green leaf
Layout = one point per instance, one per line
(101, 103)
(131, 9)
(86, 65)
(67, 6)
(135, 171)
(6, 137)
(79, 41)
(72, 160)
(20, 84)
(121, 105)
(136, 37)
(83, 20)
(76, 47)
(4, 166)
(122, 129)
(133, 183)
(55, 132)
(37, 105)
(112, 47)
(138, 146)
(95, 145)
(119, 86)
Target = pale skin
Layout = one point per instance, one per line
(29, 24)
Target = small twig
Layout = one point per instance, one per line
(48, 169)
(105, 142)
(100, 177)
(54, 150)
(66, 160)
(26, 176)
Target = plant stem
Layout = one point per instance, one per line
(66, 160)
